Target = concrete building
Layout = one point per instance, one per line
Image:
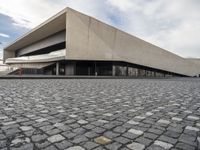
(71, 43)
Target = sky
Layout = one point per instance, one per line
(170, 24)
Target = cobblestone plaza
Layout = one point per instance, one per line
(89, 114)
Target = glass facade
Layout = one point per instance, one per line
(101, 68)
(93, 68)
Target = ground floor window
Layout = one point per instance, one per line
(99, 68)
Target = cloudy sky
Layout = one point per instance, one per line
(171, 24)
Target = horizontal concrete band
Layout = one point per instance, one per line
(72, 77)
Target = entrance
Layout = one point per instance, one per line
(92, 68)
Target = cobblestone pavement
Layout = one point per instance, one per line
(100, 114)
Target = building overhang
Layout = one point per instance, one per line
(50, 57)
(51, 26)
(31, 65)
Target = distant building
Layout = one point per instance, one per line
(71, 43)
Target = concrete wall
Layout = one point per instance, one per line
(90, 39)
(8, 54)
(195, 60)
(49, 41)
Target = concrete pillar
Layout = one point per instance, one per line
(70, 68)
(113, 70)
(127, 70)
(57, 68)
(95, 69)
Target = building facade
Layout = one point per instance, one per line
(71, 43)
(3, 67)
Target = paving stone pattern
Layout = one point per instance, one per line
(102, 114)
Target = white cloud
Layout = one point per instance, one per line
(4, 35)
(124, 5)
(28, 13)
(172, 25)
(31, 13)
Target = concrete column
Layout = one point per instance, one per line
(127, 70)
(70, 68)
(74, 63)
(95, 68)
(113, 70)
(57, 68)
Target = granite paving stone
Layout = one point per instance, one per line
(82, 122)
(192, 128)
(134, 131)
(55, 138)
(113, 146)
(184, 146)
(43, 144)
(136, 146)
(165, 145)
(75, 148)
(90, 145)
(110, 114)
(150, 136)
(144, 141)
(193, 117)
(63, 144)
(122, 140)
(155, 147)
(79, 139)
(167, 139)
(162, 121)
(51, 147)
(25, 128)
(132, 122)
(177, 119)
(38, 137)
(130, 135)
(102, 140)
